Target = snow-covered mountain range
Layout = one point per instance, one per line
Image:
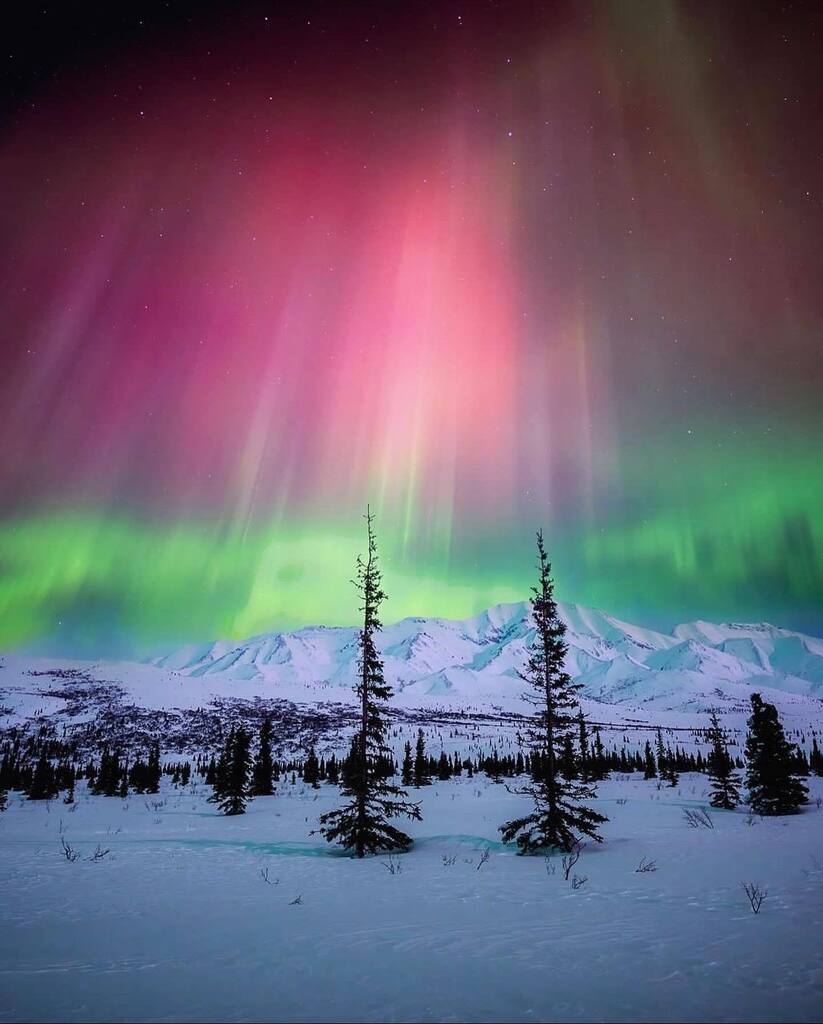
(475, 660)
(630, 675)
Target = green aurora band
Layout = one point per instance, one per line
(713, 535)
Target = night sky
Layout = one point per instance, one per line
(488, 266)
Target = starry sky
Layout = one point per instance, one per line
(487, 266)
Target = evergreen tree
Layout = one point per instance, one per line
(816, 759)
(231, 784)
(583, 743)
(568, 762)
(666, 764)
(263, 772)
(770, 779)
(649, 764)
(724, 780)
(311, 769)
(599, 762)
(407, 775)
(106, 781)
(363, 825)
(220, 782)
(43, 782)
(558, 816)
(421, 762)
(153, 769)
(349, 767)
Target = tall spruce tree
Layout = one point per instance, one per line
(724, 780)
(666, 764)
(154, 771)
(362, 825)
(421, 762)
(599, 761)
(558, 819)
(407, 774)
(43, 781)
(231, 784)
(311, 769)
(649, 765)
(770, 764)
(816, 758)
(262, 783)
(583, 742)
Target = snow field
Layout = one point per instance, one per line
(178, 923)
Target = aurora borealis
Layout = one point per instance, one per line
(486, 266)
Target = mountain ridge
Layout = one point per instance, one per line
(480, 657)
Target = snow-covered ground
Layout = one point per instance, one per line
(191, 916)
(177, 922)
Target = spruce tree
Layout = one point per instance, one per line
(421, 762)
(770, 764)
(106, 781)
(263, 772)
(407, 776)
(231, 784)
(558, 818)
(816, 758)
(724, 780)
(43, 782)
(311, 769)
(153, 769)
(649, 765)
(362, 825)
(599, 763)
(666, 765)
(584, 760)
(568, 762)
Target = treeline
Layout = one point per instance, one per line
(43, 767)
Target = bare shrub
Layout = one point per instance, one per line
(571, 858)
(755, 895)
(99, 854)
(264, 874)
(645, 866)
(449, 860)
(393, 865)
(699, 818)
(578, 881)
(69, 852)
(484, 856)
